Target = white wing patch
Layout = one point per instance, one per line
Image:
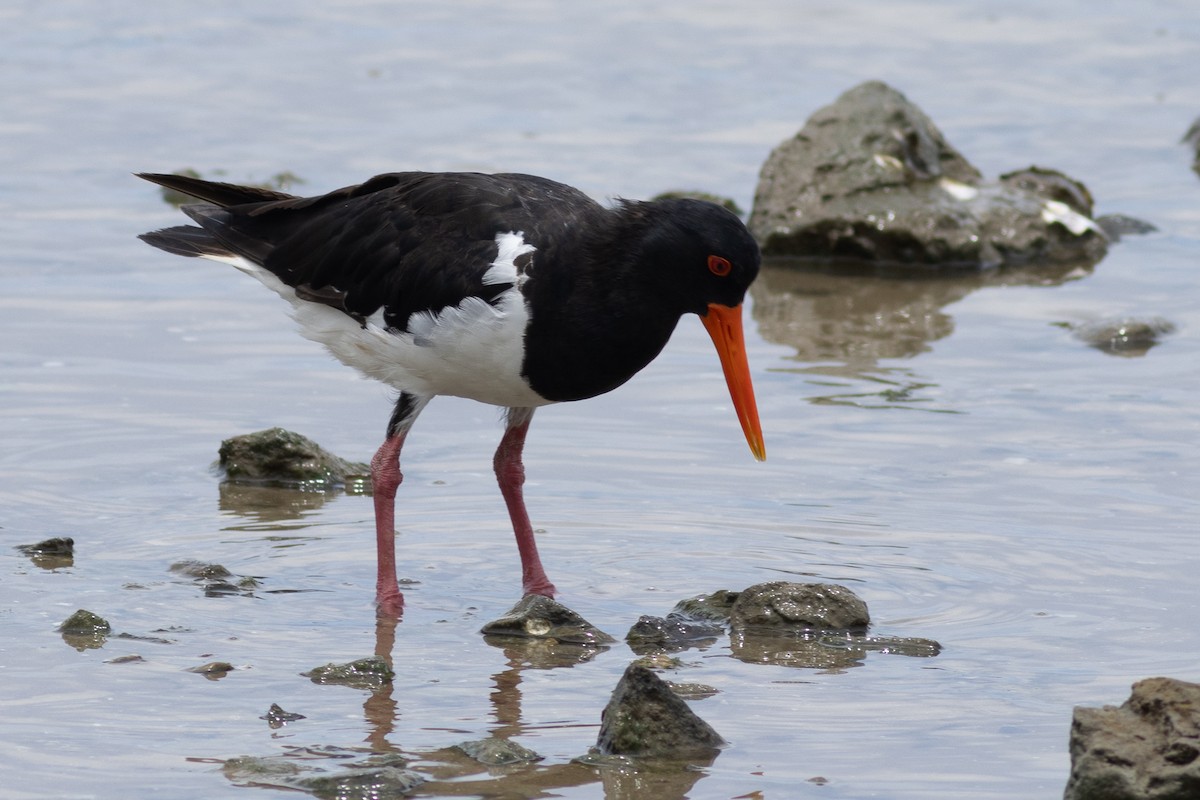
(510, 246)
(474, 349)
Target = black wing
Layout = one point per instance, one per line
(408, 241)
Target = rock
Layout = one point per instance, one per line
(215, 579)
(132, 658)
(51, 554)
(671, 633)
(56, 546)
(541, 617)
(375, 777)
(494, 752)
(84, 630)
(1147, 749)
(365, 673)
(1124, 336)
(276, 717)
(714, 607)
(1117, 225)
(214, 670)
(366, 783)
(871, 178)
(645, 718)
(283, 458)
(798, 606)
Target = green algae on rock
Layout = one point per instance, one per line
(280, 457)
(645, 718)
(365, 673)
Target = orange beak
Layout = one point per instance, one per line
(724, 325)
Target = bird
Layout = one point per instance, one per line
(509, 289)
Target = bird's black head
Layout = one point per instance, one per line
(702, 252)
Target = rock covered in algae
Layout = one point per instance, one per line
(215, 579)
(84, 623)
(367, 783)
(280, 457)
(1147, 749)
(715, 606)
(365, 673)
(495, 752)
(645, 718)
(871, 178)
(671, 633)
(84, 630)
(540, 617)
(373, 778)
(798, 606)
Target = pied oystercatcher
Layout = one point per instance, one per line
(509, 289)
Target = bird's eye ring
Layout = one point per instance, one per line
(719, 266)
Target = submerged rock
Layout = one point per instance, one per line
(540, 617)
(367, 783)
(84, 630)
(54, 553)
(276, 717)
(715, 606)
(871, 178)
(812, 626)
(494, 752)
(283, 458)
(215, 579)
(645, 718)
(671, 633)
(1125, 336)
(365, 673)
(373, 778)
(213, 670)
(1147, 749)
(799, 607)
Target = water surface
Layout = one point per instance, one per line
(946, 448)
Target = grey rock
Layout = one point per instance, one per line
(798, 606)
(871, 178)
(84, 630)
(1147, 749)
(1124, 336)
(494, 752)
(714, 607)
(84, 623)
(645, 718)
(365, 673)
(540, 617)
(279, 457)
(369, 783)
(671, 633)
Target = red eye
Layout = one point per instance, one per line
(719, 266)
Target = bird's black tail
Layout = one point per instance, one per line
(186, 240)
(222, 194)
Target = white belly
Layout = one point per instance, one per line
(473, 350)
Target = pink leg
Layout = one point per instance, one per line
(510, 473)
(385, 478)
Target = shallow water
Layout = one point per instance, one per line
(946, 448)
